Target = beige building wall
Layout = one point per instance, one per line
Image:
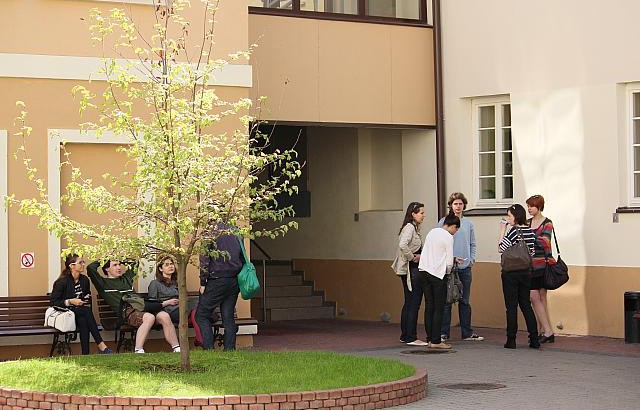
(564, 67)
(44, 52)
(342, 72)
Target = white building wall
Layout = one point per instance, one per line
(565, 66)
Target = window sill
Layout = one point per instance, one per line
(499, 211)
(628, 210)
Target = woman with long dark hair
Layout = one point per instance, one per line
(406, 266)
(72, 290)
(164, 288)
(517, 284)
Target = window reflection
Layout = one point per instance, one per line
(272, 4)
(390, 9)
(405, 9)
(330, 6)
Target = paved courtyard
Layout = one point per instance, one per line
(573, 373)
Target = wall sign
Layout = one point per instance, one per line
(27, 260)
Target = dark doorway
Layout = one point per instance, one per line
(285, 137)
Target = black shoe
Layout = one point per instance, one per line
(511, 344)
(534, 344)
(547, 339)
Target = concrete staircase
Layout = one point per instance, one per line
(288, 296)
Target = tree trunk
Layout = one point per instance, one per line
(183, 327)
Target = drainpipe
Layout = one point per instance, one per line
(440, 148)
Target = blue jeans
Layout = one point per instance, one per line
(464, 308)
(223, 292)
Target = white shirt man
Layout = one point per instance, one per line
(436, 260)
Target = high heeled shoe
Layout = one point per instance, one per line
(547, 339)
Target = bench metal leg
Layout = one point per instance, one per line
(125, 342)
(53, 344)
(218, 338)
(62, 347)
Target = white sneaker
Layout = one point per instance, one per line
(417, 342)
(138, 351)
(474, 337)
(176, 349)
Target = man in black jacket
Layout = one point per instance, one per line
(219, 286)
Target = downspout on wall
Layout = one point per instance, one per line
(440, 145)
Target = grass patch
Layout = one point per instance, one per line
(214, 373)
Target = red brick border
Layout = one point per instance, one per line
(375, 396)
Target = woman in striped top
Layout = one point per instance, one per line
(516, 285)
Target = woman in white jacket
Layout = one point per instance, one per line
(406, 261)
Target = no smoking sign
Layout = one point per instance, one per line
(27, 260)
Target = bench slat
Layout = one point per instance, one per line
(14, 299)
(23, 322)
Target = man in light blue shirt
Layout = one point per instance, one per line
(464, 251)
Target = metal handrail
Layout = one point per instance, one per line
(264, 280)
(261, 250)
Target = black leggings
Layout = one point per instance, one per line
(85, 324)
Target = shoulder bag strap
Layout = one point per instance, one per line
(519, 232)
(555, 239)
(244, 252)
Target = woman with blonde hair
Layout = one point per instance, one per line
(543, 229)
(405, 266)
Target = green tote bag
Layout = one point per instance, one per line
(247, 278)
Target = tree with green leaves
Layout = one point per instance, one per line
(198, 160)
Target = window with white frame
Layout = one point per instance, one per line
(494, 152)
(634, 161)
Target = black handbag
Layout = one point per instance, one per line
(517, 256)
(454, 286)
(557, 274)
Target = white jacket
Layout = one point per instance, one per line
(409, 242)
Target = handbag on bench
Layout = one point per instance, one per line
(60, 318)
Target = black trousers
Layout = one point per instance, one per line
(221, 292)
(404, 314)
(85, 324)
(515, 288)
(435, 294)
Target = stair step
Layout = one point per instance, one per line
(273, 270)
(283, 291)
(290, 280)
(294, 302)
(317, 312)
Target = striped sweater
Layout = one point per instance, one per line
(511, 238)
(542, 246)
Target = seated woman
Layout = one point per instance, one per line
(164, 288)
(72, 290)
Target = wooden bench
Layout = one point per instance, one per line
(124, 334)
(24, 316)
